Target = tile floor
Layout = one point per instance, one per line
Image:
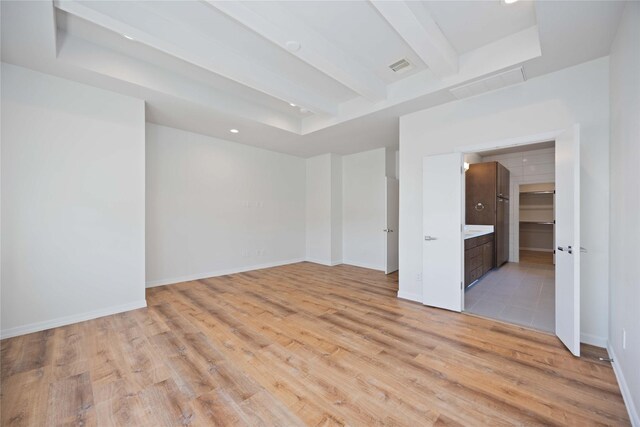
(520, 293)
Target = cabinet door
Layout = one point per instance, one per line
(467, 269)
(480, 188)
(503, 181)
(501, 236)
(487, 257)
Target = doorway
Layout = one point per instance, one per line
(519, 285)
(444, 231)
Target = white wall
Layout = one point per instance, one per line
(216, 207)
(318, 209)
(72, 202)
(525, 167)
(554, 101)
(472, 158)
(324, 209)
(336, 209)
(625, 206)
(363, 210)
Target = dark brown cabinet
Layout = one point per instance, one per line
(487, 203)
(503, 181)
(478, 257)
(481, 196)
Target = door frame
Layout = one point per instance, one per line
(506, 143)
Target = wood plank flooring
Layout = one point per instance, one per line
(297, 345)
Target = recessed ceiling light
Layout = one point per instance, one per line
(127, 37)
(293, 45)
(509, 1)
(234, 130)
(292, 104)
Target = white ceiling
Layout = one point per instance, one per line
(209, 66)
(473, 24)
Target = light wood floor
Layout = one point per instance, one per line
(536, 257)
(300, 345)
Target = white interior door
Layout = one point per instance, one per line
(568, 239)
(442, 246)
(392, 193)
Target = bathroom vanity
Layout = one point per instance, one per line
(478, 252)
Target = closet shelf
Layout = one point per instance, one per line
(538, 192)
(535, 207)
(537, 222)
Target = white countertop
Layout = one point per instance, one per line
(471, 231)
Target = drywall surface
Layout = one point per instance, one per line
(363, 208)
(73, 218)
(319, 192)
(216, 207)
(625, 207)
(336, 209)
(578, 94)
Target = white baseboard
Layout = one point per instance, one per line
(410, 296)
(624, 389)
(324, 262)
(593, 340)
(363, 265)
(67, 320)
(198, 276)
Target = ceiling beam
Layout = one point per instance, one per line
(161, 33)
(280, 26)
(417, 27)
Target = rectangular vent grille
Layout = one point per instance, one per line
(400, 66)
(497, 81)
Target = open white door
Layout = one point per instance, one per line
(568, 238)
(392, 196)
(442, 249)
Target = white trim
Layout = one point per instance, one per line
(511, 142)
(323, 262)
(624, 389)
(593, 340)
(198, 276)
(410, 296)
(364, 265)
(67, 320)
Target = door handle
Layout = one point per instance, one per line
(560, 248)
(429, 238)
(388, 230)
(569, 250)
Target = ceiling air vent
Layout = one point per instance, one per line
(401, 66)
(497, 81)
